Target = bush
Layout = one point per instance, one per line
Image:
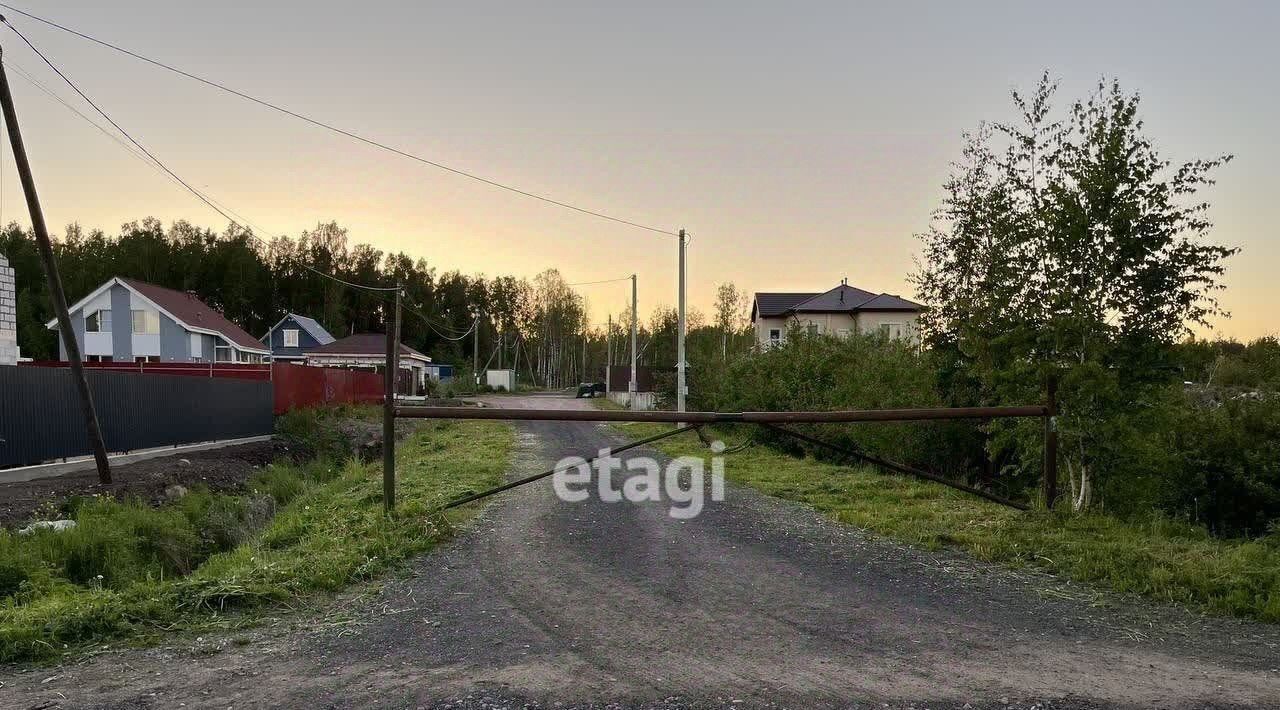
(858, 372)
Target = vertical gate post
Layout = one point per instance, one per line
(389, 409)
(1051, 443)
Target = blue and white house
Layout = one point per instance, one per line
(127, 320)
(294, 336)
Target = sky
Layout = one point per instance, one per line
(798, 143)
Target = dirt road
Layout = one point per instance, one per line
(754, 603)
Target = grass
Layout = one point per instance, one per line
(301, 530)
(1160, 559)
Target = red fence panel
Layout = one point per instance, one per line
(303, 386)
(293, 386)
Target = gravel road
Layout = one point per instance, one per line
(754, 603)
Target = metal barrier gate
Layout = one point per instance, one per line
(774, 421)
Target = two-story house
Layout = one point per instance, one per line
(294, 336)
(127, 320)
(841, 311)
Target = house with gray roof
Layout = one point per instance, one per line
(841, 311)
(294, 336)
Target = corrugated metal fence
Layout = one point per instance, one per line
(40, 416)
(303, 386)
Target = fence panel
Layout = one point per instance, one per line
(304, 386)
(40, 416)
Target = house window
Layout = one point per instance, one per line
(843, 332)
(223, 353)
(813, 328)
(99, 358)
(891, 331)
(291, 338)
(146, 323)
(775, 335)
(98, 322)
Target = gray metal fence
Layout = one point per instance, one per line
(40, 417)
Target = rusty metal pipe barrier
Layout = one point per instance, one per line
(835, 417)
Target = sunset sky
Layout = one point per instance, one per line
(797, 142)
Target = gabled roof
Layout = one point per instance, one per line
(771, 305)
(184, 308)
(313, 328)
(840, 299)
(889, 302)
(364, 345)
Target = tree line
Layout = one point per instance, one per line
(539, 325)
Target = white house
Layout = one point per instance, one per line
(841, 311)
(126, 320)
(368, 351)
(8, 315)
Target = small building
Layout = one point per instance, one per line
(440, 372)
(368, 351)
(8, 315)
(127, 320)
(294, 336)
(842, 311)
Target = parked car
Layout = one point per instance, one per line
(590, 389)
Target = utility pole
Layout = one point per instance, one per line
(608, 357)
(389, 410)
(584, 357)
(475, 351)
(635, 316)
(681, 387)
(56, 293)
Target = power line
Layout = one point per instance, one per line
(213, 204)
(335, 129)
(117, 126)
(602, 281)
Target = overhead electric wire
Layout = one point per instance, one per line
(213, 204)
(602, 281)
(335, 129)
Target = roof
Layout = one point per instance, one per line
(838, 300)
(184, 308)
(890, 302)
(364, 345)
(841, 299)
(313, 328)
(769, 305)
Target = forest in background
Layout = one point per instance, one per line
(542, 321)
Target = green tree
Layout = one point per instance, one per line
(1069, 245)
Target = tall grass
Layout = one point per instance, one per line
(127, 568)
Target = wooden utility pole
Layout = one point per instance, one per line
(389, 409)
(56, 292)
(1051, 444)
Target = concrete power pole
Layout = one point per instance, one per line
(635, 317)
(56, 292)
(475, 351)
(681, 388)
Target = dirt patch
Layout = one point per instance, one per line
(223, 469)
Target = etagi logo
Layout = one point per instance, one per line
(682, 480)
